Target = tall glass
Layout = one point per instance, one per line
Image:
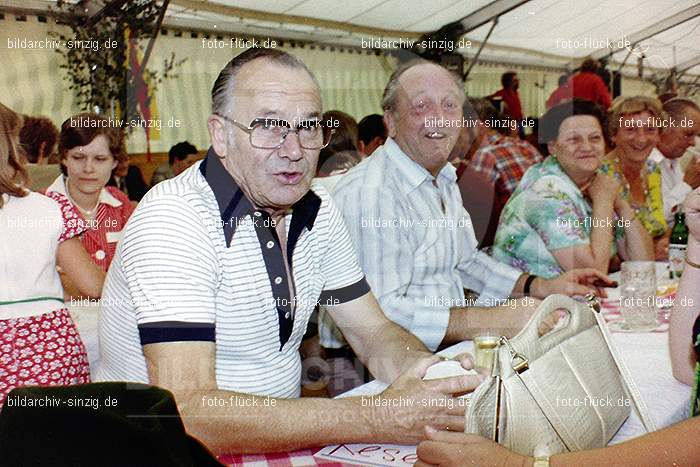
(638, 295)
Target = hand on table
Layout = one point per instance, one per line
(412, 403)
(661, 247)
(458, 449)
(574, 282)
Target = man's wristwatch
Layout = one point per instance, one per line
(528, 283)
(541, 461)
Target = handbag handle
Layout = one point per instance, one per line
(530, 332)
(639, 405)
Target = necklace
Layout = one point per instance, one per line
(86, 212)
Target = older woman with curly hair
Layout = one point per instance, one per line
(634, 126)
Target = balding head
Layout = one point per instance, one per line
(423, 112)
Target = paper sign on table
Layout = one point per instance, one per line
(370, 454)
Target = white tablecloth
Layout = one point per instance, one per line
(646, 355)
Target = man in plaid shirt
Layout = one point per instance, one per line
(504, 161)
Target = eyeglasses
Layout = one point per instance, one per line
(269, 133)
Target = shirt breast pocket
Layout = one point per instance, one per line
(114, 237)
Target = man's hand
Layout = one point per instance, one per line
(692, 174)
(410, 404)
(573, 282)
(661, 247)
(458, 449)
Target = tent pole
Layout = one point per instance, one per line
(481, 47)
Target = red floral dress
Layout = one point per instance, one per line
(45, 349)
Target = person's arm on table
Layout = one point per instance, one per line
(638, 244)
(596, 253)
(687, 304)
(244, 423)
(659, 448)
(383, 346)
(469, 322)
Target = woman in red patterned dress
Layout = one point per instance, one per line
(90, 148)
(39, 343)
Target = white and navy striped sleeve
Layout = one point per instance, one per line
(343, 278)
(171, 271)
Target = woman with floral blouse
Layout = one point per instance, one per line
(564, 214)
(634, 128)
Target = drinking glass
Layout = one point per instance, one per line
(638, 295)
(485, 347)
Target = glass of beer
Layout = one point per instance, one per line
(638, 295)
(485, 347)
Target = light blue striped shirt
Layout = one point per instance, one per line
(416, 244)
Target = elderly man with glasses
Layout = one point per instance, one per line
(220, 268)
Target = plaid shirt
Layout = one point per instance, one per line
(504, 161)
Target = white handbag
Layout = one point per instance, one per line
(567, 390)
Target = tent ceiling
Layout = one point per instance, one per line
(562, 30)
(547, 32)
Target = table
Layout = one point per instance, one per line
(649, 361)
(646, 355)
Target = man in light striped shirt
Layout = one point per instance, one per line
(220, 267)
(415, 240)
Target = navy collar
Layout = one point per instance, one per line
(234, 206)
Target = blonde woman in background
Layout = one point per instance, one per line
(634, 126)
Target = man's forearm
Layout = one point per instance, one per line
(230, 422)
(391, 350)
(467, 323)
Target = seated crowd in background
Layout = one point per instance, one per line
(175, 278)
(180, 157)
(543, 228)
(38, 138)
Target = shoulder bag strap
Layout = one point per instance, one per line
(632, 389)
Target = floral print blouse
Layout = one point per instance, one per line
(651, 215)
(546, 212)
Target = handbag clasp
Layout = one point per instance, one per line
(593, 302)
(518, 361)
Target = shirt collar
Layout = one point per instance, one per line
(59, 186)
(234, 205)
(414, 173)
(656, 156)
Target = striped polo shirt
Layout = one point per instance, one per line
(199, 263)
